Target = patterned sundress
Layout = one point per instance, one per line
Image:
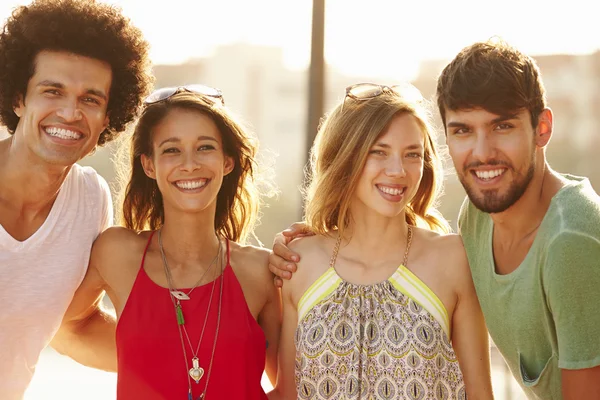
(389, 340)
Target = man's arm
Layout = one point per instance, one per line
(282, 260)
(87, 332)
(581, 383)
(572, 275)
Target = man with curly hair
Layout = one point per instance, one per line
(73, 74)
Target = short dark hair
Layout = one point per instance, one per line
(494, 76)
(83, 27)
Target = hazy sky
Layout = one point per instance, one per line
(363, 37)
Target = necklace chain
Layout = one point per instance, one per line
(336, 248)
(168, 270)
(177, 304)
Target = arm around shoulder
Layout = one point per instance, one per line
(87, 332)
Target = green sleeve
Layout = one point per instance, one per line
(462, 214)
(572, 284)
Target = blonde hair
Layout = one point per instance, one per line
(239, 197)
(339, 154)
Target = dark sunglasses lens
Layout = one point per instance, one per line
(365, 91)
(160, 94)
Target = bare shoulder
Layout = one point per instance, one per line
(116, 238)
(117, 246)
(450, 245)
(251, 267)
(445, 249)
(114, 234)
(310, 247)
(249, 258)
(315, 253)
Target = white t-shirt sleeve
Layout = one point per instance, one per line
(107, 205)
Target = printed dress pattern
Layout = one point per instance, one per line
(389, 340)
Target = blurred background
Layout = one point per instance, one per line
(259, 54)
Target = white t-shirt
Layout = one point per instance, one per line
(39, 276)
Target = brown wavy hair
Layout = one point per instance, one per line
(494, 76)
(339, 154)
(83, 27)
(239, 197)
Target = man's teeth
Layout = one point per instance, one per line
(63, 133)
(392, 191)
(191, 184)
(486, 175)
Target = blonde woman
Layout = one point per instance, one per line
(382, 305)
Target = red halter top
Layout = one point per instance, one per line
(150, 357)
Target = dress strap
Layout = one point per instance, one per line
(319, 290)
(146, 248)
(336, 248)
(408, 243)
(227, 246)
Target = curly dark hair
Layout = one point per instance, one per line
(83, 27)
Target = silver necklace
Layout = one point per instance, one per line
(196, 372)
(179, 294)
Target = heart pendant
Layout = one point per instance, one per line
(196, 374)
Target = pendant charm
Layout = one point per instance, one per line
(179, 312)
(179, 295)
(196, 372)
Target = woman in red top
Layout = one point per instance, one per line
(197, 312)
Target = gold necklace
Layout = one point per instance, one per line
(196, 372)
(336, 248)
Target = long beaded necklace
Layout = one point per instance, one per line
(196, 372)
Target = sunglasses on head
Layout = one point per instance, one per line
(366, 91)
(204, 91)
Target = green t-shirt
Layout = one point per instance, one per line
(545, 315)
